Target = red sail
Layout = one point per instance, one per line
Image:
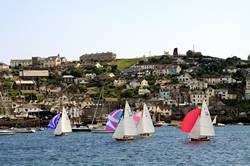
(190, 119)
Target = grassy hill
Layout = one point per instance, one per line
(125, 63)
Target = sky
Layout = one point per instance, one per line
(130, 28)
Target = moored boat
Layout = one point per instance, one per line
(7, 132)
(217, 124)
(159, 124)
(24, 130)
(101, 130)
(81, 129)
(39, 129)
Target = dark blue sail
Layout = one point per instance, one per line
(54, 121)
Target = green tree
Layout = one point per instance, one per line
(82, 88)
(128, 93)
(30, 96)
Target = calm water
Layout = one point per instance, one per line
(168, 146)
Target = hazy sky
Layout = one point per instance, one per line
(130, 28)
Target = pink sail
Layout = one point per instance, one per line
(137, 117)
(190, 119)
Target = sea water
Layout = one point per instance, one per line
(168, 146)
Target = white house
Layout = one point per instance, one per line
(218, 80)
(134, 84)
(119, 83)
(230, 70)
(221, 93)
(184, 78)
(98, 65)
(90, 75)
(197, 85)
(142, 91)
(4, 67)
(144, 83)
(110, 75)
(34, 73)
(26, 110)
(197, 97)
(210, 92)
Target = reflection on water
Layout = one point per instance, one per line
(167, 147)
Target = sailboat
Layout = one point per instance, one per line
(145, 126)
(63, 125)
(217, 124)
(198, 124)
(126, 129)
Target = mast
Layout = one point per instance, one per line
(97, 107)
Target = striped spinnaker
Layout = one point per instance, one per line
(113, 120)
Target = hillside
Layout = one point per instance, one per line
(125, 63)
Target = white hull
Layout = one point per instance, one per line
(7, 132)
(24, 130)
(219, 125)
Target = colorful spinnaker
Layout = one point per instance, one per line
(190, 119)
(54, 121)
(113, 120)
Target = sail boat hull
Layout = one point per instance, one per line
(146, 135)
(125, 138)
(62, 134)
(204, 139)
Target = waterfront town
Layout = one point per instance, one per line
(33, 90)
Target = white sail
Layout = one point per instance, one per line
(66, 125)
(145, 124)
(206, 125)
(127, 126)
(58, 130)
(215, 120)
(203, 126)
(63, 125)
(195, 132)
(119, 131)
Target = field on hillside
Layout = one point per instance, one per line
(125, 63)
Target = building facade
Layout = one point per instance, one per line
(21, 63)
(4, 67)
(247, 89)
(104, 56)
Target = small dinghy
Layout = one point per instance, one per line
(126, 129)
(198, 124)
